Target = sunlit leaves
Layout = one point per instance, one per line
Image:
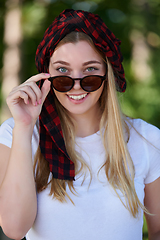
(33, 15)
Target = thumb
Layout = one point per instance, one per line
(45, 89)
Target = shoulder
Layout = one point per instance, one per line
(6, 132)
(139, 127)
(144, 147)
(9, 123)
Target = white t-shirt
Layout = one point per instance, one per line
(97, 212)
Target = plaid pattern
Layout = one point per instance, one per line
(51, 138)
(77, 20)
(52, 143)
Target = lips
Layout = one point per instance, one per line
(77, 97)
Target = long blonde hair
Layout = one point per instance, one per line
(119, 167)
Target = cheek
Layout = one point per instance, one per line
(57, 94)
(60, 96)
(99, 91)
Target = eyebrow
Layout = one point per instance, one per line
(84, 64)
(91, 62)
(62, 62)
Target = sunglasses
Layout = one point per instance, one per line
(88, 83)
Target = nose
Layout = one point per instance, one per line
(77, 84)
(77, 75)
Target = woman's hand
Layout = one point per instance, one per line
(25, 101)
(18, 212)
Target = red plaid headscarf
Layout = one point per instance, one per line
(51, 138)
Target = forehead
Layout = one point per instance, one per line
(81, 50)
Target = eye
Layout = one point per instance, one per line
(90, 69)
(62, 69)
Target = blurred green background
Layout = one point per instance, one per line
(135, 22)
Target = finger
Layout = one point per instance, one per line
(16, 97)
(24, 96)
(35, 89)
(27, 89)
(31, 89)
(34, 78)
(31, 94)
(41, 93)
(45, 89)
(38, 77)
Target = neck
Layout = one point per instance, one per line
(87, 124)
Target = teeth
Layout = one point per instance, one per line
(78, 97)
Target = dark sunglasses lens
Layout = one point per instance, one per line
(62, 84)
(91, 83)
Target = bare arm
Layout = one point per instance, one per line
(17, 194)
(18, 202)
(152, 203)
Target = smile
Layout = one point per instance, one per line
(78, 97)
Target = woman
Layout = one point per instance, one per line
(95, 171)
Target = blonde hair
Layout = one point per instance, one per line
(119, 167)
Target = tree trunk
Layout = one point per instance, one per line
(11, 56)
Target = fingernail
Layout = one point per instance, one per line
(47, 74)
(36, 103)
(40, 101)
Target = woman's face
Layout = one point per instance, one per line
(78, 60)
